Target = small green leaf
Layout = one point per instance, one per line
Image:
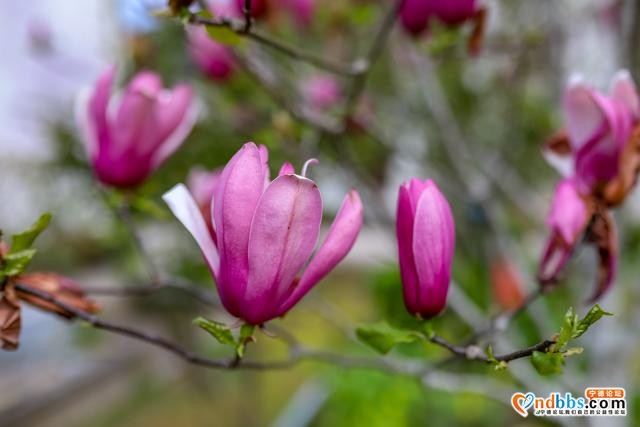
(16, 263)
(224, 35)
(246, 336)
(500, 366)
(547, 363)
(490, 356)
(382, 337)
(219, 331)
(25, 239)
(568, 328)
(592, 317)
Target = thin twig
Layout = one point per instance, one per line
(124, 213)
(206, 297)
(246, 11)
(502, 321)
(297, 352)
(238, 27)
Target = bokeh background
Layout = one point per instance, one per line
(474, 124)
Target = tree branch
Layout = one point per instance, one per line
(204, 296)
(246, 11)
(238, 27)
(297, 352)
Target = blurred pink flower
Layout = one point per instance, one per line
(266, 232)
(426, 242)
(598, 127)
(321, 91)
(301, 11)
(129, 135)
(416, 14)
(568, 217)
(259, 8)
(213, 58)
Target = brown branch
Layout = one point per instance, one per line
(473, 352)
(297, 353)
(502, 321)
(238, 27)
(203, 295)
(246, 11)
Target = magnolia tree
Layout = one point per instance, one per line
(466, 218)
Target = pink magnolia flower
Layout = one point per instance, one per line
(301, 11)
(129, 135)
(598, 127)
(265, 233)
(259, 8)
(213, 58)
(321, 91)
(202, 185)
(567, 219)
(416, 14)
(426, 241)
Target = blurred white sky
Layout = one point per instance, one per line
(35, 86)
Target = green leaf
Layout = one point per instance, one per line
(16, 262)
(490, 356)
(568, 328)
(592, 317)
(547, 363)
(25, 239)
(246, 336)
(224, 35)
(382, 337)
(219, 331)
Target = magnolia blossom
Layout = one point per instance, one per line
(265, 233)
(130, 134)
(259, 8)
(301, 11)
(426, 242)
(321, 91)
(598, 128)
(416, 14)
(213, 58)
(567, 219)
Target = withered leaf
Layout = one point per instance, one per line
(602, 233)
(59, 287)
(617, 189)
(9, 319)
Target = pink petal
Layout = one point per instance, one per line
(433, 248)
(568, 214)
(336, 245)
(241, 186)
(175, 115)
(286, 169)
(186, 210)
(284, 232)
(404, 233)
(623, 90)
(584, 116)
(92, 112)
